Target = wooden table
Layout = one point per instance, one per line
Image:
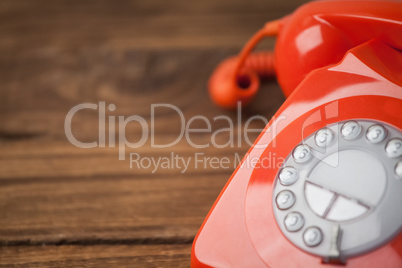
(64, 206)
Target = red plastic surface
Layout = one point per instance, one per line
(240, 230)
(316, 35)
(319, 33)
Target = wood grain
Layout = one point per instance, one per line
(63, 206)
(97, 256)
(100, 209)
(139, 24)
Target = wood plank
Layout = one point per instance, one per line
(150, 209)
(96, 256)
(135, 23)
(34, 144)
(57, 84)
(143, 163)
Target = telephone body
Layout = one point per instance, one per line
(336, 196)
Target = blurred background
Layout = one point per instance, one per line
(63, 206)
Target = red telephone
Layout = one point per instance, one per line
(336, 198)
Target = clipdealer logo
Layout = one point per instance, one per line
(201, 161)
(198, 160)
(117, 137)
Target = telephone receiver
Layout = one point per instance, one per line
(322, 184)
(328, 31)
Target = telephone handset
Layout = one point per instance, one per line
(335, 198)
(317, 35)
